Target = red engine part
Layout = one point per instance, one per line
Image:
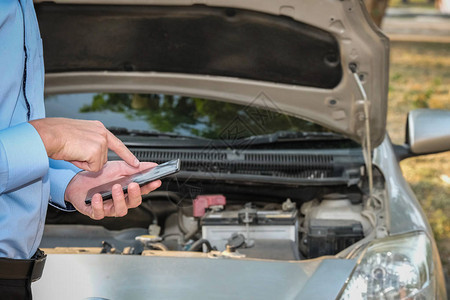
(202, 202)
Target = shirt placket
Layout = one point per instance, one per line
(24, 79)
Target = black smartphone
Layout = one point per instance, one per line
(142, 178)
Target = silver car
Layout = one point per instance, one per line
(289, 186)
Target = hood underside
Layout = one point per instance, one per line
(290, 58)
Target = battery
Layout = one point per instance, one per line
(218, 227)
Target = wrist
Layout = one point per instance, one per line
(71, 187)
(46, 133)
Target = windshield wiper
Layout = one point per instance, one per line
(136, 132)
(290, 136)
(176, 140)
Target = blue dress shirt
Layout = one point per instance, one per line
(28, 178)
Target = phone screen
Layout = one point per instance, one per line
(142, 178)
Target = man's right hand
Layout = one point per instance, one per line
(83, 143)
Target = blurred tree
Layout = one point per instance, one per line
(377, 9)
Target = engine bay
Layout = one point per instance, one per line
(320, 221)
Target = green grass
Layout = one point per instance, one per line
(420, 77)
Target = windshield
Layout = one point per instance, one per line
(182, 115)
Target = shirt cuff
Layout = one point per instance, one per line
(60, 174)
(23, 157)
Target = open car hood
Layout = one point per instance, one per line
(293, 57)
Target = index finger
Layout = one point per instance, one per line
(121, 150)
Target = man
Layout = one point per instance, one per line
(44, 159)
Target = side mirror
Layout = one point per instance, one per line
(427, 132)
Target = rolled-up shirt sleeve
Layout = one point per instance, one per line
(60, 174)
(23, 158)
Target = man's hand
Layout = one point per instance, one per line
(83, 143)
(117, 207)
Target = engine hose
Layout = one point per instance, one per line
(175, 199)
(159, 246)
(197, 246)
(191, 234)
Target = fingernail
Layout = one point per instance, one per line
(136, 162)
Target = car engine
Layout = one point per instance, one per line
(257, 203)
(212, 223)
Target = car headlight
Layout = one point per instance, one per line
(398, 267)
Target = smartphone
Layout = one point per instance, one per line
(142, 178)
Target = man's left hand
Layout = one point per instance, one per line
(117, 207)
